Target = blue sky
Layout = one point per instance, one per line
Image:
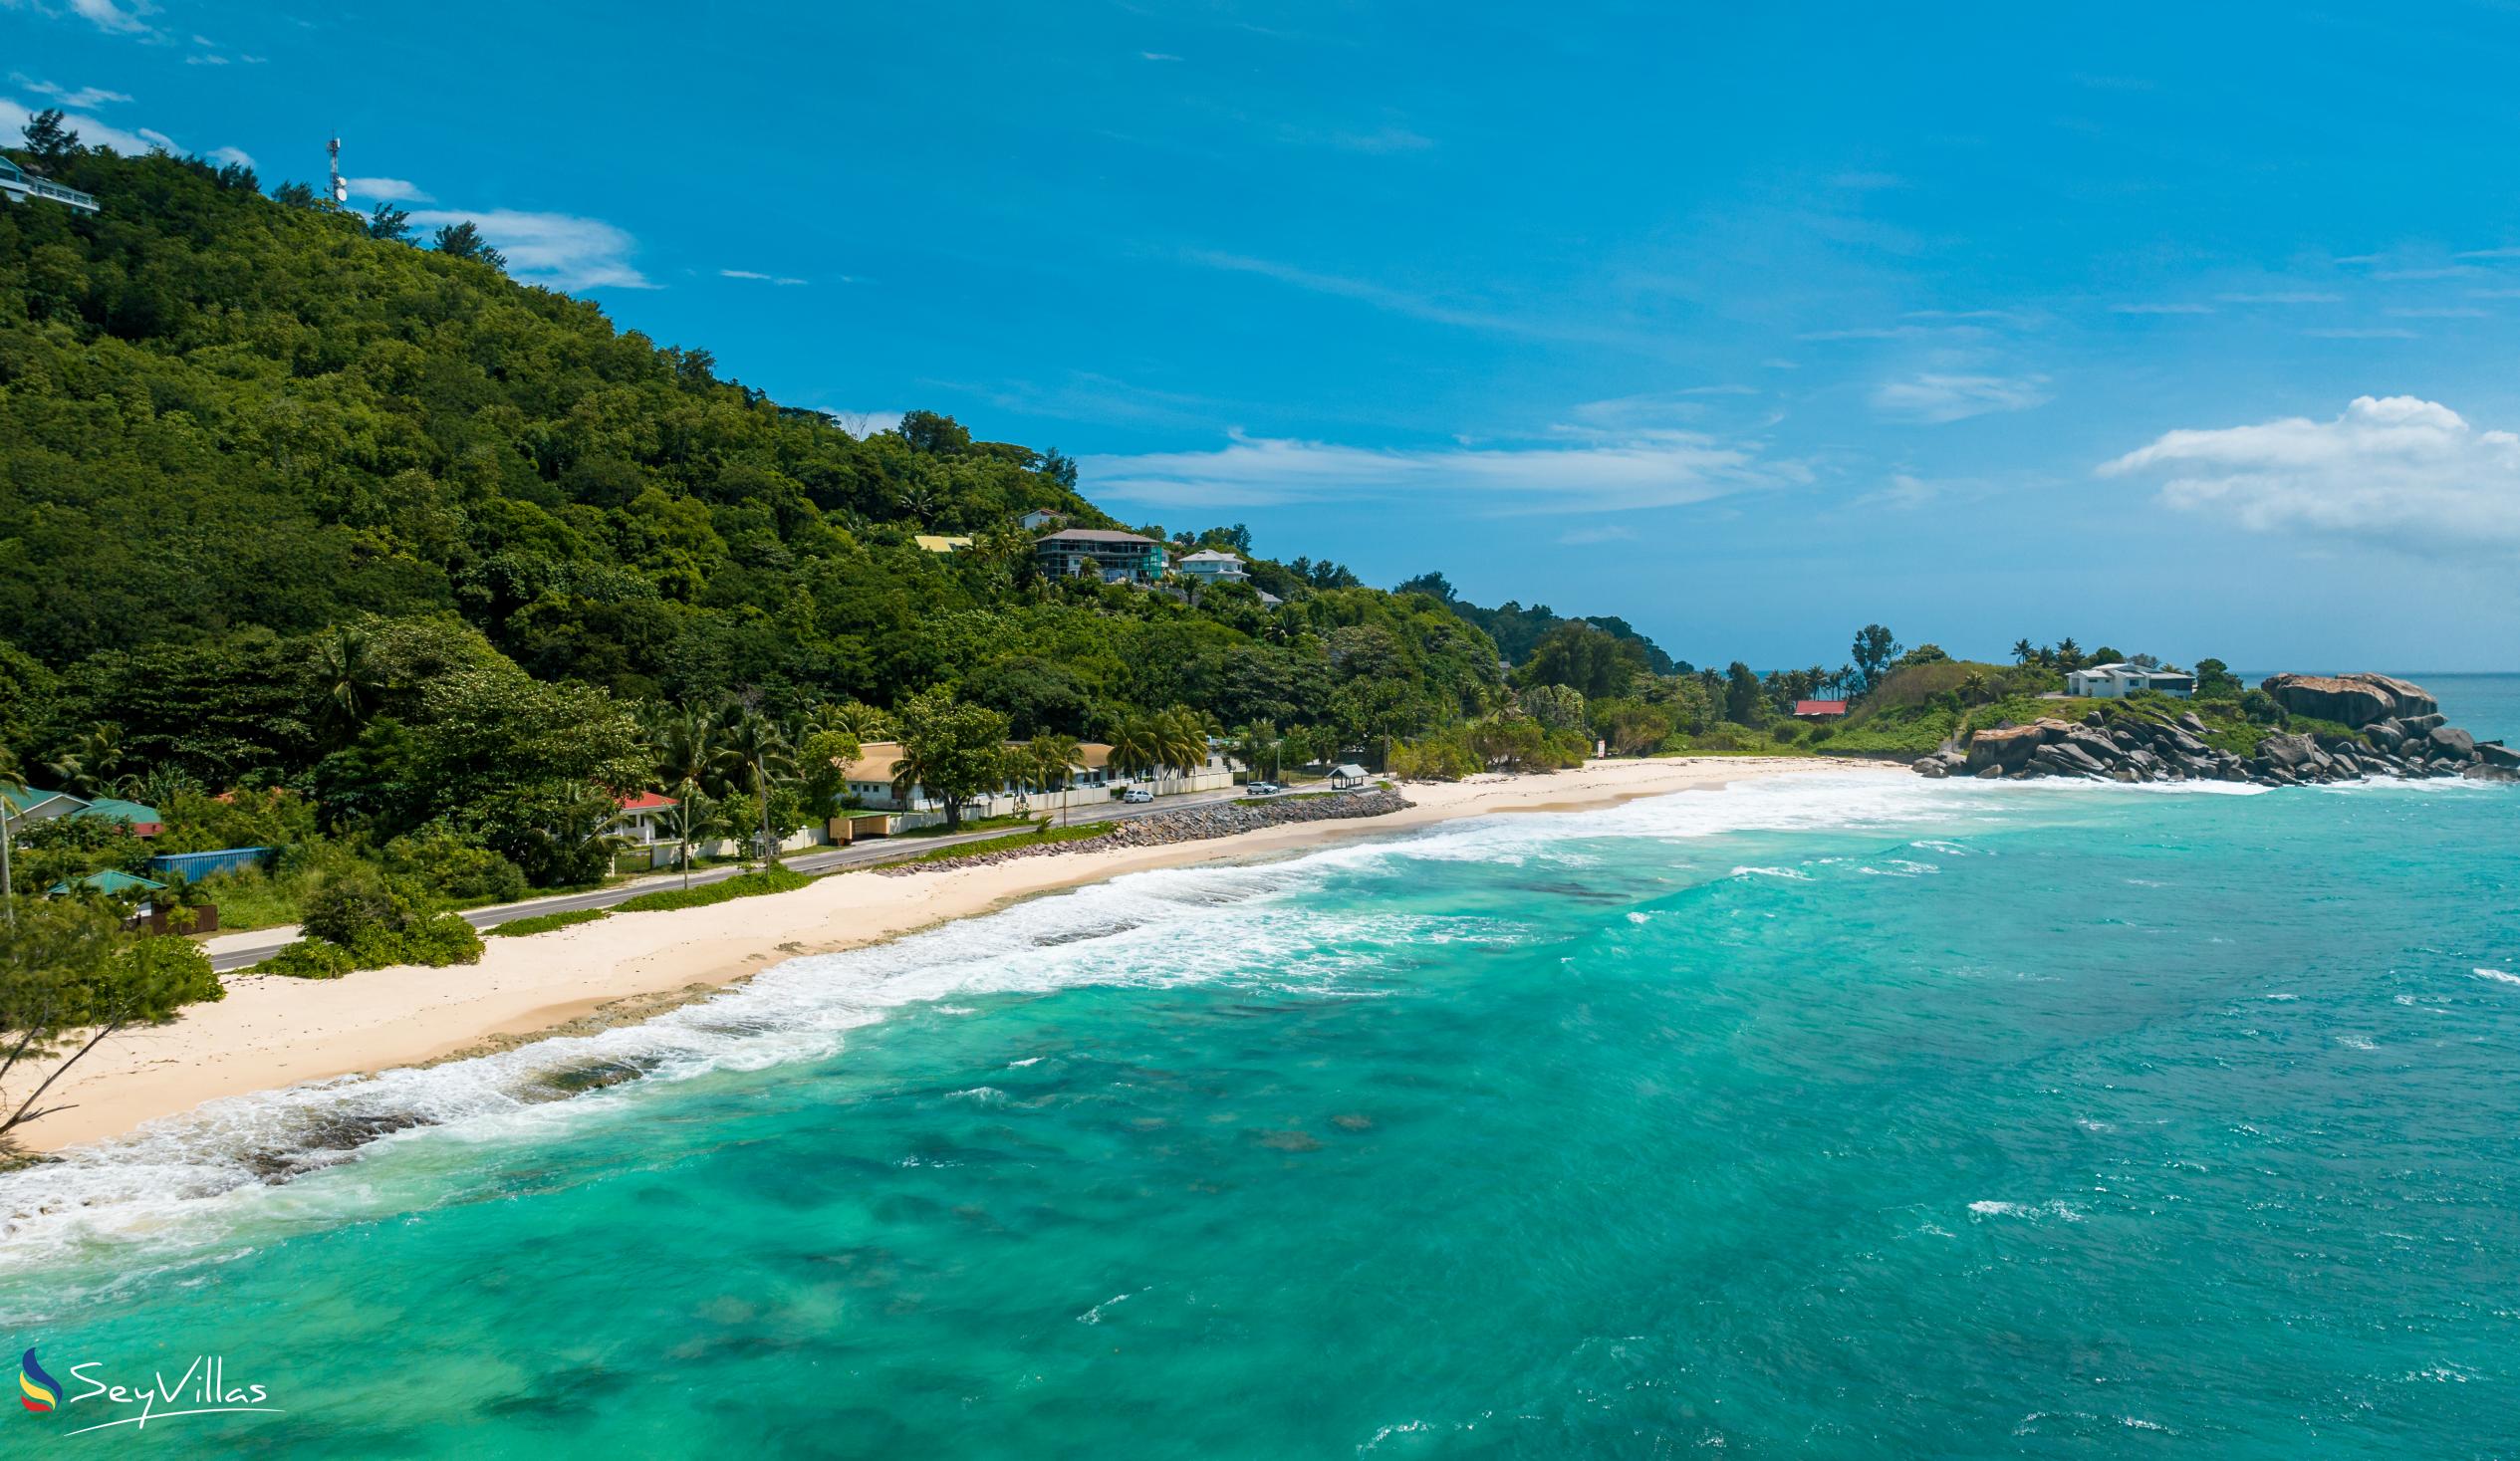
(1750, 323)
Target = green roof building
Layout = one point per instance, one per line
(112, 882)
(144, 821)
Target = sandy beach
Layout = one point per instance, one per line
(272, 1031)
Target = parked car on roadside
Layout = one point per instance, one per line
(1138, 794)
(1264, 789)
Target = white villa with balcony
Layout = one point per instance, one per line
(19, 185)
(2117, 681)
(1215, 567)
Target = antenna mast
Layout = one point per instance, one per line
(341, 186)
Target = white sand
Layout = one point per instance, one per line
(272, 1031)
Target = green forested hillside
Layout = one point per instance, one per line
(1519, 631)
(230, 426)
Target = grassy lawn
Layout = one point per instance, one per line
(253, 898)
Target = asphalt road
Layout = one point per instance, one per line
(829, 859)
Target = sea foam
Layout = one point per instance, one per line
(192, 1179)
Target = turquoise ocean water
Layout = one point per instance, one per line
(1846, 1115)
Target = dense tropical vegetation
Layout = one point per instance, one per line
(322, 539)
(359, 549)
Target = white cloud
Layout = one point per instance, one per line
(1156, 56)
(236, 155)
(2177, 308)
(388, 191)
(1935, 398)
(757, 277)
(1992, 317)
(557, 249)
(2283, 297)
(1649, 410)
(1399, 302)
(1904, 492)
(2359, 334)
(106, 15)
(60, 96)
(1647, 470)
(138, 144)
(2401, 471)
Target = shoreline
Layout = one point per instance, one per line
(272, 1031)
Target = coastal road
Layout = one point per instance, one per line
(227, 956)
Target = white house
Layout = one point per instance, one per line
(1040, 518)
(17, 185)
(2117, 681)
(641, 820)
(1215, 567)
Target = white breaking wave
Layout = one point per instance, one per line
(224, 1171)
(2504, 975)
(2034, 1211)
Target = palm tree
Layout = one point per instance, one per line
(856, 718)
(1052, 760)
(917, 499)
(686, 752)
(83, 769)
(693, 817)
(349, 675)
(2023, 651)
(1134, 746)
(1181, 740)
(753, 757)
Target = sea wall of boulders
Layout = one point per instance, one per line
(2399, 732)
(1189, 825)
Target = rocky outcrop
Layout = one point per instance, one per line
(2129, 747)
(2357, 700)
(1189, 825)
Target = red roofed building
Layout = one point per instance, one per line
(638, 821)
(1818, 709)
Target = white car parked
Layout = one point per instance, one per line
(1136, 794)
